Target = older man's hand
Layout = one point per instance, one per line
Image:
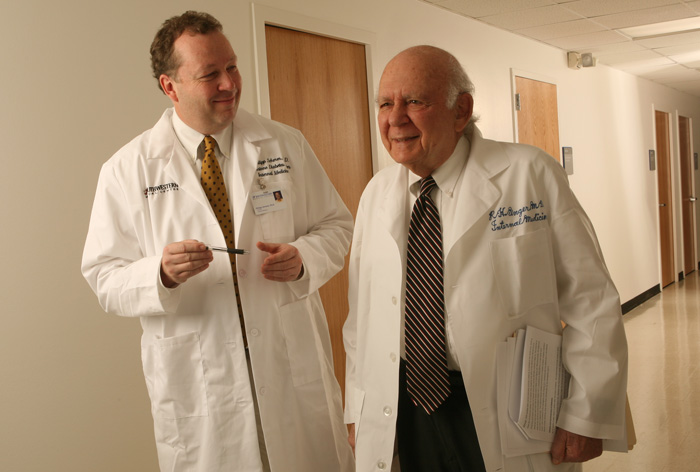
(571, 447)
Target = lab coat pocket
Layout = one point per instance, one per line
(523, 267)
(179, 389)
(300, 338)
(278, 225)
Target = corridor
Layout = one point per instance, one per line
(664, 383)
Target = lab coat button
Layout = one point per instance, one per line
(387, 411)
(255, 332)
(242, 273)
(263, 390)
(381, 465)
(394, 300)
(392, 356)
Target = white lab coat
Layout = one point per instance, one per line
(521, 251)
(194, 359)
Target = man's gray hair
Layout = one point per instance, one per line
(458, 82)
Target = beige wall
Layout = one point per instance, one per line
(75, 86)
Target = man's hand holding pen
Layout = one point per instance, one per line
(185, 259)
(182, 260)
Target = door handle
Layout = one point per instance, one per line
(692, 199)
(662, 204)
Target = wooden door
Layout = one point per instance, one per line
(687, 195)
(663, 151)
(538, 115)
(319, 85)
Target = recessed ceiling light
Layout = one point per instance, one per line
(662, 29)
(686, 57)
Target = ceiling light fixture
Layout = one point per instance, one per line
(665, 28)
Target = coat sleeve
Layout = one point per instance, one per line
(594, 346)
(125, 280)
(326, 242)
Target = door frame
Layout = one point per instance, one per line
(264, 15)
(675, 184)
(693, 192)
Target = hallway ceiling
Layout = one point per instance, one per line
(593, 26)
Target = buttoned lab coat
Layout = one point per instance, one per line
(194, 359)
(520, 251)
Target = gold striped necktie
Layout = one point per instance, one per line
(215, 189)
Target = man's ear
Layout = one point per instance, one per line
(167, 84)
(464, 108)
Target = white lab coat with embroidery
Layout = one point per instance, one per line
(194, 360)
(509, 262)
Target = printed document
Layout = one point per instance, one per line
(532, 383)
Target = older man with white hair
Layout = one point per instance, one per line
(463, 243)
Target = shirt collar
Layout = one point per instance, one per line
(448, 173)
(191, 140)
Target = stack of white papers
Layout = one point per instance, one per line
(532, 383)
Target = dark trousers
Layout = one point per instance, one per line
(444, 441)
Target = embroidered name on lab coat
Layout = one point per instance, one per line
(150, 191)
(273, 166)
(510, 217)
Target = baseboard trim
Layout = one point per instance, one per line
(641, 298)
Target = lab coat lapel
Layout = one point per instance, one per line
(164, 142)
(248, 136)
(180, 169)
(477, 192)
(393, 209)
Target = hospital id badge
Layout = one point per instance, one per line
(268, 201)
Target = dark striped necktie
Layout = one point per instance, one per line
(427, 379)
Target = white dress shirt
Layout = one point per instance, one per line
(193, 142)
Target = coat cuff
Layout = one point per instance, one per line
(354, 398)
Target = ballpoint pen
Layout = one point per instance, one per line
(229, 250)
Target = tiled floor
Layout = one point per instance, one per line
(664, 384)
